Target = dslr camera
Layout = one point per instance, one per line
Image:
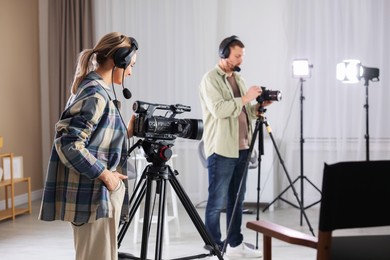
(165, 127)
(269, 95)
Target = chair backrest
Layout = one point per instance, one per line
(354, 195)
(131, 172)
(201, 154)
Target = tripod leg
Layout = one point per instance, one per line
(312, 184)
(193, 214)
(161, 188)
(135, 200)
(146, 224)
(280, 197)
(288, 177)
(146, 186)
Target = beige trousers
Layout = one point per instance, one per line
(98, 240)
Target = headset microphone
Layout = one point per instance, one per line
(126, 92)
(122, 58)
(224, 50)
(235, 67)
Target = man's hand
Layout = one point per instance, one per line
(252, 94)
(266, 103)
(263, 104)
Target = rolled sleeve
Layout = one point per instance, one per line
(74, 133)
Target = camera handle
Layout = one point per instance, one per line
(137, 144)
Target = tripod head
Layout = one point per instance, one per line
(260, 112)
(261, 109)
(158, 152)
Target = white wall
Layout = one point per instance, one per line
(179, 43)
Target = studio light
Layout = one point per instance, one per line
(352, 71)
(301, 68)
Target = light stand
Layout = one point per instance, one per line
(351, 71)
(301, 70)
(367, 136)
(302, 177)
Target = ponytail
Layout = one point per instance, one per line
(89, 59)
(84, 66)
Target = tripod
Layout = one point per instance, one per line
(258, 128)
(158, 153)
(301, 177)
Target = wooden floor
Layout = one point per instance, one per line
(28, 238)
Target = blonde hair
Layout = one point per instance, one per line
(90, 59)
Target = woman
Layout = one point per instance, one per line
(86, 179)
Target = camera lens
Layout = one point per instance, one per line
(192, 129)
(269, 95)
(274, 95)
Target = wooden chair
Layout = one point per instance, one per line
(354, 195)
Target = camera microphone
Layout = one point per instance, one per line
(140, 107)
(143, 107)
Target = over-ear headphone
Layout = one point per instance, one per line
(122, 59)
(224, 50)
(122, 56)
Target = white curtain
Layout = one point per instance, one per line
(179, 42)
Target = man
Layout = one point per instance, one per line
(227, 116)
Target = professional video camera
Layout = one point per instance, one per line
(165, 127)
(269, 95)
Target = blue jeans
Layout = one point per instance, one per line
(225, 176)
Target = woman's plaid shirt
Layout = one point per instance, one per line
(90, 136)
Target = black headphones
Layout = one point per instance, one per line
(224, 50)
(122, 56)
(122, 59)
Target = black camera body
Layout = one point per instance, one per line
(269, 95)
(165, 127)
